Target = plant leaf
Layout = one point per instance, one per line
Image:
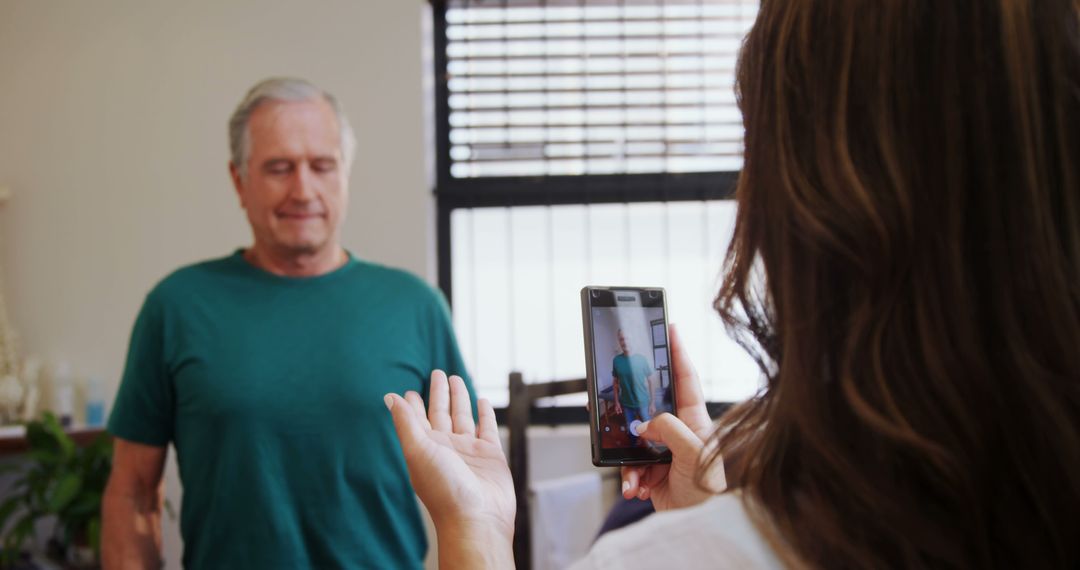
(39, 438)
(87, 503)
(93, 535)
(66, 490)
(52, 427)
(8, 508)
(44, 456)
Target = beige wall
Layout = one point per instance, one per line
(112, 141)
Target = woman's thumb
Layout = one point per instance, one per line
(670, 431)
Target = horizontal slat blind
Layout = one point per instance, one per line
(578, 88)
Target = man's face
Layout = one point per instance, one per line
(622, 343)
(296, 189)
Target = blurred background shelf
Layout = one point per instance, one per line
(13, 438)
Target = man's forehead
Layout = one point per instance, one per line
(306, 125)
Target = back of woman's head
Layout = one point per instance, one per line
(906, 266)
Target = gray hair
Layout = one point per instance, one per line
(282, 89)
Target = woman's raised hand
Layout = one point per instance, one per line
(458, 470)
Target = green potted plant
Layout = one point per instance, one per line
(61, 480)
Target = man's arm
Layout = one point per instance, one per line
(131, 507)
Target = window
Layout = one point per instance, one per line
(585, 143)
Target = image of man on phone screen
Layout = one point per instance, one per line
(630, 377)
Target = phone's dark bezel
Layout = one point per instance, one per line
(628, 455)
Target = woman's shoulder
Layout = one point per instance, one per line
(715, 534)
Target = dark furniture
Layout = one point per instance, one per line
(519, 418)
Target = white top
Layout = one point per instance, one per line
(715, 534)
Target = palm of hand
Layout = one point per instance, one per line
(458, 469)
(456, 465)
(463, 471)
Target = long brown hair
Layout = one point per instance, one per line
(906, 269)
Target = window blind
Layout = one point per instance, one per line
(581, 88)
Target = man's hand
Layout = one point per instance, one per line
(673, 486)
(460, 473)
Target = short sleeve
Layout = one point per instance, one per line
(144, 407)
(446, 355)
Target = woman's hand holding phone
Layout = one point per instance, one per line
(674, 485)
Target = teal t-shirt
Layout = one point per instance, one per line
(271, 388)
(633, 373)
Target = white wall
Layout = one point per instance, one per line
(112, 141)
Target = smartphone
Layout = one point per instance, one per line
(628, 371)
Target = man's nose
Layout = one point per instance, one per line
(303, 188)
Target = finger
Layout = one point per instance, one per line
(460, 407)
(688, 393)
(687, 384)
(417, 404)
(488, 430)
(631, 477)
(439, 401)
(655, 476)
(676, 435)
(409, 427)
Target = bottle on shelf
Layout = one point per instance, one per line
(63, 393)
(95, 402)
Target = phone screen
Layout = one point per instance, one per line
(629, 370)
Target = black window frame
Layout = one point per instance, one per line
(462, 193)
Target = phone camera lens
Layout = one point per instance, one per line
(652, 294)
(596, 294)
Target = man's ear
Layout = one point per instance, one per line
(238, 183)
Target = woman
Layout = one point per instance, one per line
(906, 269)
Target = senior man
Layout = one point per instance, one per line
(265, 369)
